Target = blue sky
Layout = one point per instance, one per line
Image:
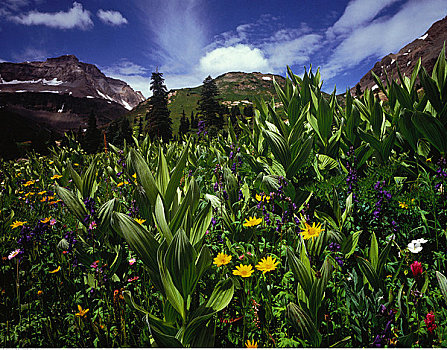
(190, 39)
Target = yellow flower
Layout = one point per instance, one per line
(51, 162)
(428, 160)
(260, 198)
(18, 223)
(76, 164)
(54, 177)
(29, 183)
(268, 264)
(311, 231)
(243, 270)
(122, 183)
(403, 205)
(55, 202)
(39, 292)
(134, 176)
(251, 344)
(81, 312)
(252, 221)
(140, 221)
(44, 221)
(42, 192)
(57, 270)
(222, 259)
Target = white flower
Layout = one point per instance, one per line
(13, 254)
(420, 240)
(414, 247)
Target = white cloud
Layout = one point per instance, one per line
(76, 17)
(233, 58)
(357, 13)
(113, 18)
(384, 35)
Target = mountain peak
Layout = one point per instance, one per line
(63, 58)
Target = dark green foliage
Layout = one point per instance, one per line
(159, 123)
(184, 124)
(358, 90)
(194, 121)
(209, 107)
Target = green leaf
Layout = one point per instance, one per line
(73, 203)
(180, 261)
(374, 252)
(201, 224)
(76, 178)
(279, 147)
(144, 175)
(432, 129)
(179, 217)
(172, 293)
(301, 321)
(160, 220)
(300, 159)
(176, 176)
(368, 271)
(442, 281)
(162, 171)
(89, 178)
(301, 273)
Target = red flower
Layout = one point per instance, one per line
(430, 322)
(416, 268)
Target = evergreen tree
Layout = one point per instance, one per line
(193, 124)
(184, 124)
(112, 133)
(92, 138)
(126, 131)
(159, 122)
(209, 107)
(140, 128)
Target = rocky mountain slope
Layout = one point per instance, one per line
(426, 47)
(66, 75)
(58, 95)
(235, 89)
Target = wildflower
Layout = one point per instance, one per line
(16, 224)
(243, 270)
(428, 160)
(251, 344)
(403, 205)
(39, 292)
(132, 261)
(133, 279)
(134, 176)
(76, 164)
(81, 312)
(416, 269)
(46, 220)
(52, 222)
(122, 183)
(29, 183)
(56, 176)
(140, 221)
(415, 246)
(57, 270)
(222, 259)
(51, 162)
(95, 264)
(267, 264)
(430, 322)
(13, 254)
(311, 231)
(252, 221)
(262, 198)
(92, 225)
(42, 192)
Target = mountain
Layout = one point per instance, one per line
(66, 75)
(426, 47)
(52, 97)
(235, 89)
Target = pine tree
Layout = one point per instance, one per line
(92, 138)
(140, 128)
(159, 122)
(184, 124)
(126, 131)
(193, 124)
(209, 108)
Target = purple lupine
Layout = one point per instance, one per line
(352, 178)
(381, 196)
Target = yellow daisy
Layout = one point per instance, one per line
(18, 223)
(403, 205)
(252, 221)
(54, 177)
(251, 344)
(140, 221)
(267, 264)
(243, 270)
(81, 312)
(222, 259)
(44, 221)
(311, 231)
(260, 198)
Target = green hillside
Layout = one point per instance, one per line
(235, 88)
